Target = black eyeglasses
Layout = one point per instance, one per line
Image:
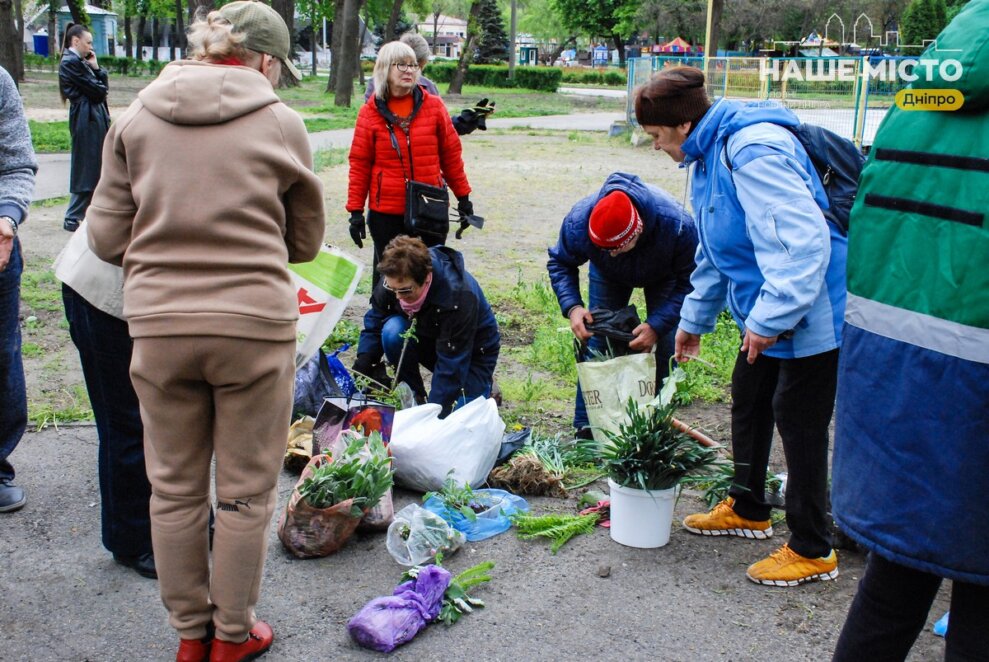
(402, 66)
(401, 291)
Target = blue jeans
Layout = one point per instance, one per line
(13, 411)
(105, 346)
(479, 376)
(606, 294)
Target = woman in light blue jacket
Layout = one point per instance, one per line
(768, 254)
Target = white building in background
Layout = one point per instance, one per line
(450, 34)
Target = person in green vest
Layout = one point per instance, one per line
(911, 457)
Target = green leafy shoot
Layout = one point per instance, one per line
(456, 497)
(457, 600)
(716, 485)
(563, 459)
(558, 528)
(363, 473)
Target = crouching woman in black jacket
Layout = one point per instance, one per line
(455, 335)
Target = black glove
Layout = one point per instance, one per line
(364, 365)
(358, 230)
(482, 110)
(465, 207)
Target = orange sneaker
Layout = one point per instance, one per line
(258, 642)
(723, 521)
(785, 567)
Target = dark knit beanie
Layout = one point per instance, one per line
(672, 97)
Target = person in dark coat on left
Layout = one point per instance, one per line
(85, 86)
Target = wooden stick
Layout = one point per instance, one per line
(699, 436)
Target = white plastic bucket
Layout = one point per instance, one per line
(640, 518)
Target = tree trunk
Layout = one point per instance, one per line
(360, 44)
(396, 13)
(711, 48)
(620, 46)
(128, 31)
(336, 43)
(52, 29)
(155, 38)
(142, 23)
(179, 30)
(436, 27)
(10, 41)
(78, 10)
(349, 53)
(467, 54)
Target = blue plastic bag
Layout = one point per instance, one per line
(941, 627)
(390, 621)
(490, 522)
(340, 373)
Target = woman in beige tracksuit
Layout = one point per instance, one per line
(206, 194)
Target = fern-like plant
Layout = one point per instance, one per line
(649, 453)
(558, 528)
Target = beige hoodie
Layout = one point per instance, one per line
(206, 193)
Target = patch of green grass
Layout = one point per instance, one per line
(40, 290)
(50, 202)
(31, 350)
(344, 332)
(316, 124)
(60, 407)
(50, 137)
(719, 350)
(328, 158)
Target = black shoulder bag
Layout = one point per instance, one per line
(427, 208)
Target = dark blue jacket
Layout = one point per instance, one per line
(455, 317)
(662, 260)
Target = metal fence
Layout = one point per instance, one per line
(834, 92)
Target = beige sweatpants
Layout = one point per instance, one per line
(203, 396)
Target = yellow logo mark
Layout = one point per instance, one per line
(929, 99)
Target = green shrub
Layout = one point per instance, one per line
(117, 65)
(599, 76)
(543, 79)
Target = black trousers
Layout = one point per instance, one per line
(890, 610)
(796, 396)
(384, 228)
(104, 346)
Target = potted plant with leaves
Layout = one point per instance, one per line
(647, 460)
(333, 495)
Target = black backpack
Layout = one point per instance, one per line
(838, 163)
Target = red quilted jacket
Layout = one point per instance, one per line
(376, 174)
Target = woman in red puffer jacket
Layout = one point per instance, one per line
(402, 133)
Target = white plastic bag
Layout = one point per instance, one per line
(323, 287)
(425, 448)
(416, 535)
(607, 386)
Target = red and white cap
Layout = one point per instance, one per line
(614, 221)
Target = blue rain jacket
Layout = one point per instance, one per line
(765, 247)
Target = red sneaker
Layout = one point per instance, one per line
(193, 650)
(258, 642)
